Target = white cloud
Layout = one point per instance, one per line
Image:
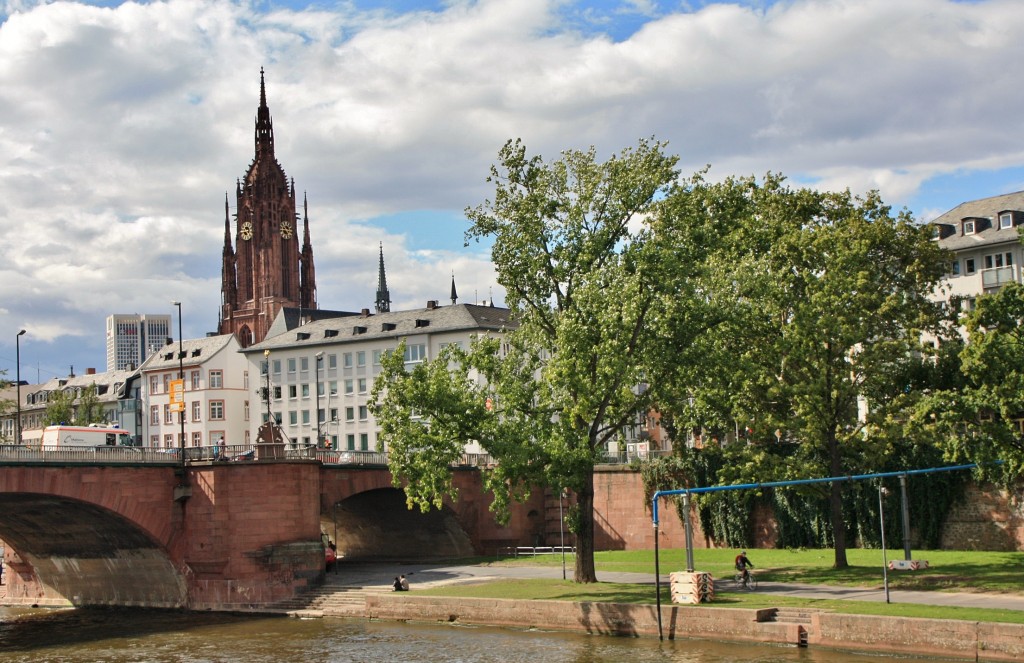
(122, 128)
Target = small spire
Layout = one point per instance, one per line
(383, 296)
(455, 295)
(264, 125)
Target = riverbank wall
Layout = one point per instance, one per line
(939, 638)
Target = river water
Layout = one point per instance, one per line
(146, 636)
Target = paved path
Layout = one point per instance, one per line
(432, 575)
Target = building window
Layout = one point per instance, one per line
(216, 379)
(154, 441)
(168, 419)
(376, 357)
(291, 365)
(362, 385)
(346, 360)
(168, 441)
(167, 383)
(332, 388)
(334, 414)
(197, 439)
(247, 410)
(415, 353)
(1005, 221)
(350, 442)
(197, 410)
(293, 418)
(361, 358)
(293, 391)
(154, 384)
(304, 363)
(305, 417)
(305, 391)
(195, 380)
(245, 380)
(332, 361)
(364, 442)
(349, 386)
(968, 227)
(216, 410)
(969, 267)
(350, 414)
(277, 367)
(362, 413)
(955, 268)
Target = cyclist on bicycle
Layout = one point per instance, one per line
(742, 564)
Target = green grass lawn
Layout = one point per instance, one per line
(949, 570)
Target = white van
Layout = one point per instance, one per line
(57, 437)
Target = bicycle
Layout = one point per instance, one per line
(750, 585)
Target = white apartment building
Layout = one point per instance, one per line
(300, 392)
(131, 338)
(985, 240)
(216, 394)
(115, 392)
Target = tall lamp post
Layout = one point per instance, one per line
(319, 358)
(266, 360)
(181, 376)
(882, 492)
(17, 383)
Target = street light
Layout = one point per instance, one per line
(17, 382)
(181, 376)
(266, 360)
(319, 358)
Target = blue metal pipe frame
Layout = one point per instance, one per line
(686, 492)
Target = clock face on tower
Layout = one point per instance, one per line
(246, 231)
(286, 230)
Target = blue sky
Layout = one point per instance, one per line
(122, 125)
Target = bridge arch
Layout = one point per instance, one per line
(376, 525)
(70, 550)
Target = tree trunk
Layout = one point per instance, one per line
(835, 499)
(584, 571)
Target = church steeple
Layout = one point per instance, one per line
(455, 295)
(307, 291)
(267, 269)
(264, 125)
(383, 296)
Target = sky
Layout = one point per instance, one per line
(123, 126)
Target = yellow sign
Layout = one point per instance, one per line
(177, 395)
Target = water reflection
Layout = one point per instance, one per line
(123, 636)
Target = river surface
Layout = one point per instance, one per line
(147, 636)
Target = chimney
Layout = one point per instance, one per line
(365, 313)
(431, 304)
(90, 371)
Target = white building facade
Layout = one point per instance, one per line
(984, 237)
(302, 391)
(216, 394)
(132, 338)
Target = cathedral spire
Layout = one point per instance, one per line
(383, 296)
(228, 288)
(455, 295)
(307, 287)
(264, 125)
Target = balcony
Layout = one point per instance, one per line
(997, 277)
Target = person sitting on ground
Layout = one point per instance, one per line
(742, 563)
(405, 584)
(397, 585)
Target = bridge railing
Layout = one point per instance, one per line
(12, 453)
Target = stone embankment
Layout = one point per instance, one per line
(947, 639)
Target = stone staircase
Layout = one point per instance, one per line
(330, 600)
(802, 617)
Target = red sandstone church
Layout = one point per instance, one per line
(267, 271)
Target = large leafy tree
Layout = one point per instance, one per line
(977, 418)
(89, 409)
(588, 290)
(60, 408)
(825, 296)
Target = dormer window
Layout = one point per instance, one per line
(968, 227)
(302, 336)
(358, 329)
(1005, 221)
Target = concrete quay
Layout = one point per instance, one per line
(364, 591)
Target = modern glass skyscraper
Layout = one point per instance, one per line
(131, 337)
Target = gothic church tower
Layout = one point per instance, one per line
(267, 270)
